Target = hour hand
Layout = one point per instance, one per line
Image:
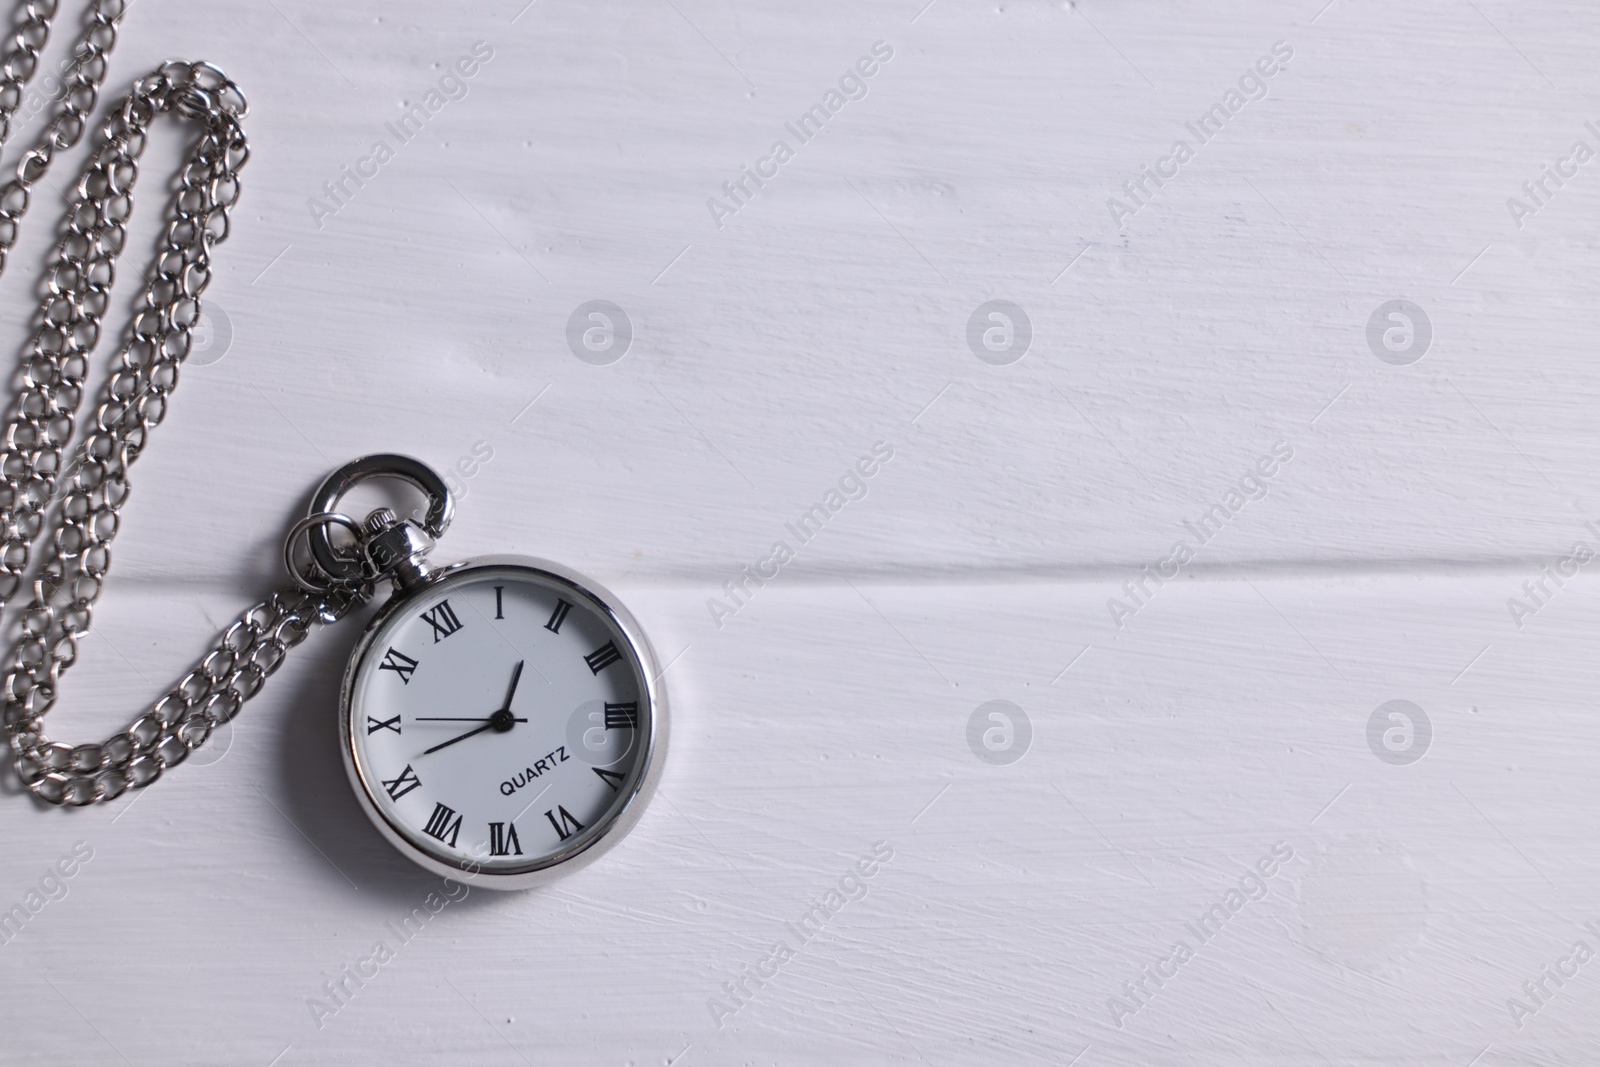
(516, 676)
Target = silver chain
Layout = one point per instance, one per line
(21, 60)
(83, 497)
(81, 93)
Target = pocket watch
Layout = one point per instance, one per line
(501, 715)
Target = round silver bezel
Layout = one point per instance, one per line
(631, 800)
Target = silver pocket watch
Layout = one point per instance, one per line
(501, 715)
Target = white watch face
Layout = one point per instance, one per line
(500, 719)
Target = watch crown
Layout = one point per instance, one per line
(396, 547)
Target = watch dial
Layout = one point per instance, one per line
(500, 718)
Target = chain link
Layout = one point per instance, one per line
(84, 497)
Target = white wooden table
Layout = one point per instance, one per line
(1420, 877)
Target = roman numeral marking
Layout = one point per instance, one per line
(558, 616)
(403, 784)
(443, 620)
(611, 778)
(373, 725)
(503, 839)
(439, 824)
(499, 612)
(622, 716)
(400, 663)
(567, 826)
(602, 657)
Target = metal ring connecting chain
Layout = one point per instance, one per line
(83, 496)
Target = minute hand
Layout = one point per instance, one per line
(463, 737)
